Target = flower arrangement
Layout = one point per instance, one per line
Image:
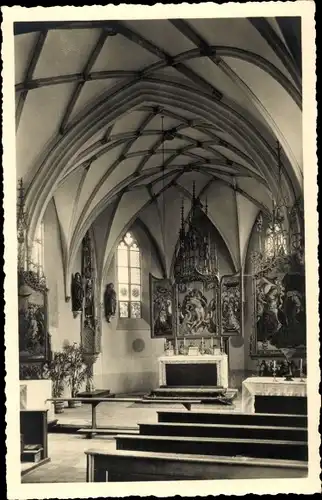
(58, 371)
(77, 369)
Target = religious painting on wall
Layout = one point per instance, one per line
(33, 334)
(161, 299)
(230, 305)
(198, 310)
(279, 315)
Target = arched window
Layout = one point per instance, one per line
(275, 240)
(129, 277)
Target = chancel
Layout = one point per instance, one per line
(161, 262)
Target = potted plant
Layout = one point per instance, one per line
(77, 370)
(58, 371)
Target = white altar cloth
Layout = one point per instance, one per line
(267, 386)
(220, 362)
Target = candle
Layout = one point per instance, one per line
(184, 342)
(274, 364)
(212, 342)
(301, 366)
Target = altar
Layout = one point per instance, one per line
(269, 395)
(199, 370)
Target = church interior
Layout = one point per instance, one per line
(161, 264)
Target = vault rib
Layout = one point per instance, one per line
(169, 60)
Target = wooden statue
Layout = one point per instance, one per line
(77, 293)
(109, 302)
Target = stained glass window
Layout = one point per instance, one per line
(129, 277)
(275, 241)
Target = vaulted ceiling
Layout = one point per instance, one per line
(116, 119)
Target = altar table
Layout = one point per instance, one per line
(200, 370)
(253, 387)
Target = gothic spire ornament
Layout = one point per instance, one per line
(197, 253)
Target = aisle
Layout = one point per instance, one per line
(68, 460)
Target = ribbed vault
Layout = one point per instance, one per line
(115, 119)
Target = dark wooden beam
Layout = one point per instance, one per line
(217, 52)
(241, 191)
(21, 28)
(266, 31)
(76, 77)
(196, 39)
(85, 73)
(35, 54)
(167, 58)
(291, 30)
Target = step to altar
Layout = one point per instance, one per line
(205, 393)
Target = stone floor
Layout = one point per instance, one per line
(67, 451)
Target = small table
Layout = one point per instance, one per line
(268, 386)
(96, 394)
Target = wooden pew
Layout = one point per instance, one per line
(206, 445)
(224, 431)
(256, 448)
(233, 418)
(119, 466)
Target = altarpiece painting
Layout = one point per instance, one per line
(279, 314)
(34, 342)
(279, 297)
(198, 309)
(162, 300)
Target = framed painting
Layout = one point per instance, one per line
(161, 307)
(230, 305)
(279, 315)
(33, 329)
(197, 314)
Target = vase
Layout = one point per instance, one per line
(59, 407)
(74, 404)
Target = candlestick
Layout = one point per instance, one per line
(212, 342)
(301, 370)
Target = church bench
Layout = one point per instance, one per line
(109, 466)
(233, 418)
(257, 448)
(224, 430)
(107, 431)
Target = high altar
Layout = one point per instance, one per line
(188, 371)
(197, 311)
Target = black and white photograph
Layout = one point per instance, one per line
(161, 290)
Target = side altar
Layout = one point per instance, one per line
(274, 395)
